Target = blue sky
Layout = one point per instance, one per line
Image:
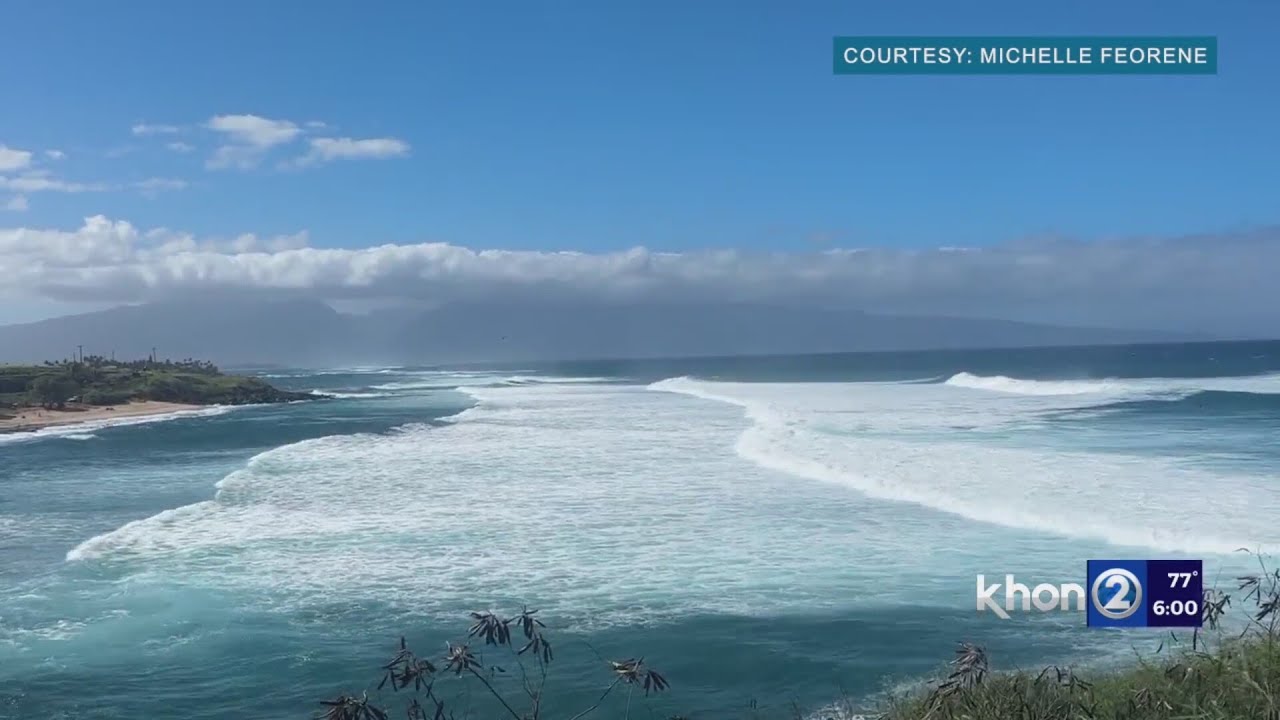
(368, 154)
(602, 126)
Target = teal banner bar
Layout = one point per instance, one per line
(1006, 55)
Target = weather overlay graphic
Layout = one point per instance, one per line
(1145, 593)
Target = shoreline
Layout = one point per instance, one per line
(31, 419)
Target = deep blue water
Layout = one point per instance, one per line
(776, 530)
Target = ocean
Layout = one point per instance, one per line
(768, 533)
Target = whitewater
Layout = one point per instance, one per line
(828, 432)
(673, 508)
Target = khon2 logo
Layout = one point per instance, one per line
(1117, 593)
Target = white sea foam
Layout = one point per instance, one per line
(350, 395)
(616, 504)
(448, 380)
(435, 380)
(1136, 387)
(1131, 501)
(1002, 383)
(1258, 384)
(553, 380)
(83, 430)
(358, 370)
(361, 370)
(605, 502)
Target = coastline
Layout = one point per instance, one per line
(33, 418)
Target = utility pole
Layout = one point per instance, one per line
(80, 350)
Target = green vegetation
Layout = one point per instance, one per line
(1237, 680)
(436, 688)
(53, 390)
(1211, 675)
(99, 381)
(1208, 674)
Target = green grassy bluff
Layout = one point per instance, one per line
(103, 382)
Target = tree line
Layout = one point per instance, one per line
(187, 365)
(77, 379)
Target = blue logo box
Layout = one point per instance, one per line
(1145, 593)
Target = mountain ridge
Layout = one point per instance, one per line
(249, 330)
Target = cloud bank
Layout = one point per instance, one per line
(1199, 282)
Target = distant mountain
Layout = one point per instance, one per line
(312, 333)
(227, 330)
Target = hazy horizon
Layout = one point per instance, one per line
(1201, 284)
(311, 332)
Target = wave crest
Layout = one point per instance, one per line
(349, 395)
(1170, 388)
(84, 430)
(1077, 494)
(450, 381)
(1016, 386)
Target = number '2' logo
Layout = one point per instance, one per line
(1116, 593)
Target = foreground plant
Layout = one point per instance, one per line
(418, 676)
(1218, 676)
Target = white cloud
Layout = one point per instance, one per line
(41, 181)
(180, 147)
(12, 159)
(1203, 279)
(154, 186)
(248, 137)
(167, 242)
(242, 157)
(254, 130)
(17, 203)
(144, 129)
(55, 154)
(328, 149)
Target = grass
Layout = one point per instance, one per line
(1238, 680)
(1211, 675)
(1207, 674)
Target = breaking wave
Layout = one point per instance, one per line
(83, 430)
(1173, 388)
(1127, 501)
(445, 381)
(563, 477)
(349, 395)
(1003, 383)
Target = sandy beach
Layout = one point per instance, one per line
(29, 419)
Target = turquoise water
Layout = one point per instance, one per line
(763, 530)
